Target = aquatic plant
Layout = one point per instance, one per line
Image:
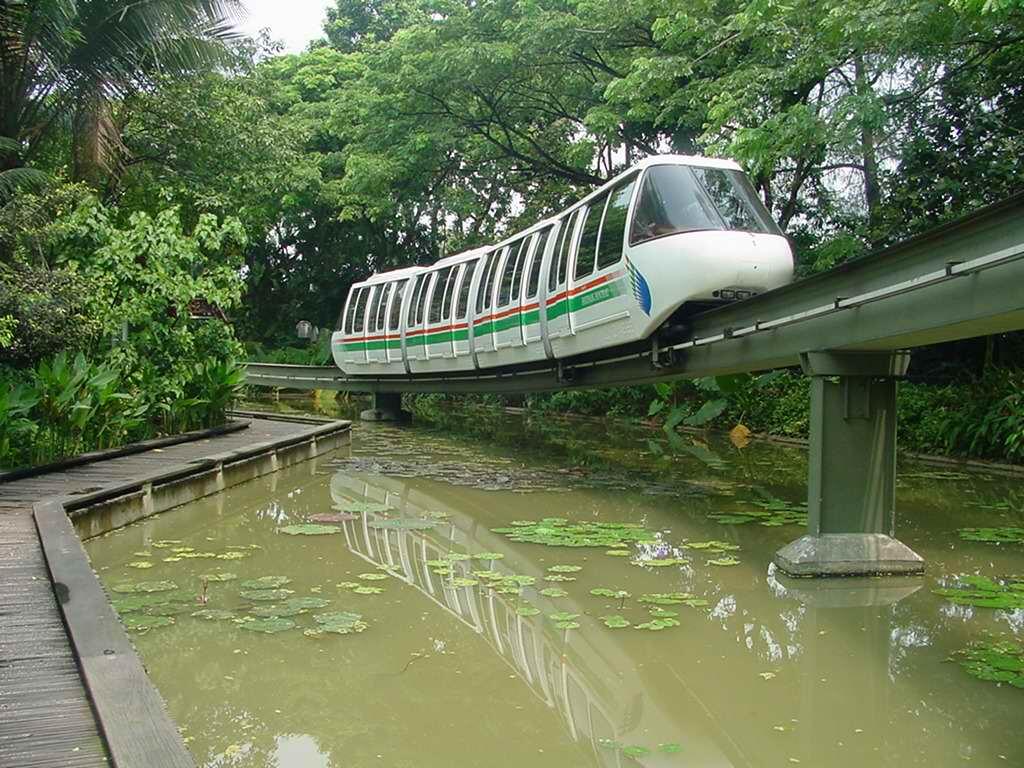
(559, 532)
(983, 592)
(141, 564)
(559, 577)
(488, 556)
(656, 625)
(1004, 535)
(337, 623)
(660, 562)
(999, 662)
(140, 601)
(618, 552)
(329, 518)
(265, 582)
(462, 581)
(216, 577)
(145, 586)
(662, 613)
(723, 561)
(367, 590)
(712, 547)
(360, 507)
(268, 626)
(232, 555)
(554, 592)
(527, 610)
(266, 595)
(563, 616)
(403, 523)
(309, 529)
(565, 568)
(347, 584)
(615, 621)
(772, 512)
(567, 624)
(670, 748)
(673, 598)
(136, 623)
(635, 751)
(213, 614)
(372, 576)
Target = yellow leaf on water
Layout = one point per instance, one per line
(740, 436)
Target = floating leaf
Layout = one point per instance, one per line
(213, 614)
(174, 559)
(520, 580)
(265, 582)
(224, 576)
(363, 507)
(488, 556)
(656, 625)
(553, 592)
(142, 554)
(461, 581)
(527, 610)
(983, 592)
(713, 547)
(309, 529)
(615, 621)
(233, 555)
(670, 748)
(773, 512)
(618, 552)
(168, 609)
(165, 544)
(559, 577)
(558, 532)
(347, 584)
(367, 590)
(403, 523)
(140, 564)
(328, 518)
(266, 595)
(662, 613)
(661, 562)
(635, 750)
(563, 616)
(673, 598)
(1004, 535)
(609, 744)
(372, 576)
(1001, 662)
(145, 586)
(339, 623)
(723, 561)
(454, 557)
(138, 602)
(268, 626)
(565, 568)
(567, 625)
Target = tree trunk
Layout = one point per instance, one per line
(94, 140)
(872, 192)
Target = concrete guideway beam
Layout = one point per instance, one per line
(385, 406)
(851, 488)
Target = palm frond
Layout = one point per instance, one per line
(19, 180)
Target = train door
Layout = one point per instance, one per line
(414, 336)
(483, 321)
(394, 325)
(531, 289)
(600, 289)
(446, 334)
(460, 320)
(352, 350)
(376, 343)
(438, 338)
(507, 325)
(557, 300)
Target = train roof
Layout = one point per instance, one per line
(387, 277)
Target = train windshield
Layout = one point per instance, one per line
(681, 198)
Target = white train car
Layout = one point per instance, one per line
(670, 234)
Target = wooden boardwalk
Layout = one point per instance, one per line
(46, 717)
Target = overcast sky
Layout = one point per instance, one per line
(293, 22)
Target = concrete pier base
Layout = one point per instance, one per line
(386, 406)
(848, 554)
(851, 484)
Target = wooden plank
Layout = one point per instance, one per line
(132, 716)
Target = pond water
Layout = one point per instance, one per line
(459, 659)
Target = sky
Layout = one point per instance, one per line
(293, 22)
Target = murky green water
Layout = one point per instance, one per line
(771, 672)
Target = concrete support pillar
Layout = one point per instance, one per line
(386, 406)
(851, 487)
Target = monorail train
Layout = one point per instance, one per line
(628, 260)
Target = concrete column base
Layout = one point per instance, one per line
(387, 406)
(848, 554)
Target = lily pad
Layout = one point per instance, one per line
(618, 552)
(565, 568)
(232, 555)
(661, 562)
(1003, 535)
(309, 529)
(662, 613)
(462, 581)
(329, 518)
(1000, 662)
(367, 590)
(455, 557)
(265, 582)
(347, 584)
(618, 594)
(656, 625)
(713, 547)
(670, 748)
(266, 595)
(983, 592)
(554, 592)
(165, 543)
(372, 576)
(723, 561)
(168, 609)
(337, 623)
(212, 577)
(527, 610)
(403, 523)
(772, 512)
(488, 556)
(563, 616)
(567, 624)
(269, 626)
(673, 598)
(615, 621)
(145, 586)
(559, 577)
(141, 601)
(559, 532)
(140, 564)
(635, 750)
(213, 614)
(363, 507)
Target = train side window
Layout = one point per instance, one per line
(361, 310)
(449, 291)
(508, 273)
(350, 315)
(613, 230)
(462, 304)
(440, 286)
(382, 308)
(416, 291)
(520, 266)
(421, 303)
(371, 317)
(564, 246)
(495, 276)
(396, 305)
(587, 250)
(483, 295)
(533, 282)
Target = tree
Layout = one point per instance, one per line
(62, 61)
